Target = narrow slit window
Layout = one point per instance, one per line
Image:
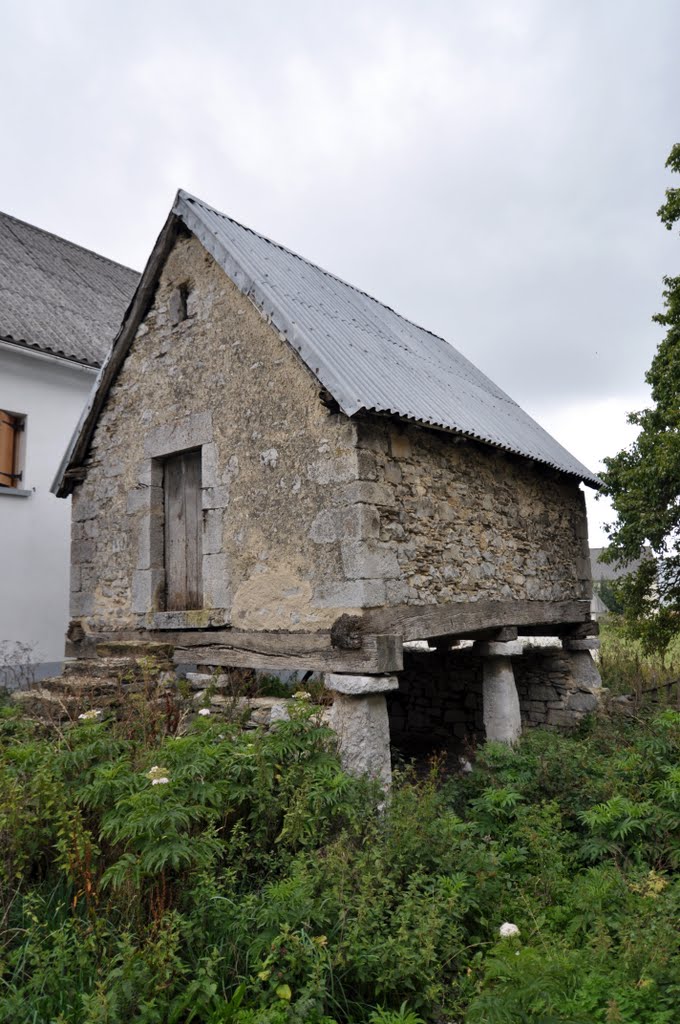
(11, 430)
(183, 532)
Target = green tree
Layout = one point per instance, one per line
(643, 480)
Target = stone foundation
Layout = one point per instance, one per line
(440, 698)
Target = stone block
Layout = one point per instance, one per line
(213, 531)
(502, 717)
(216, 581)
(150, 541)
(360, 685)
(143, 499)
(150, 473)
(363, 731)
(147, 590)
(581, 701)
(210, 465)
(215, 497)
(82, 551)
(192, 431)
(583, 670)
(81, 603)
(359, 522)
(590, 643)
(488, 649)
(367, 466)
(83, 508)
(369, 560)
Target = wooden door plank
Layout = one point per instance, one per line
(193, 529)
(175, 536)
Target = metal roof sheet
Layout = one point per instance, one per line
(364, 353)
(58, 297)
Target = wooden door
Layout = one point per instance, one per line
(183, 530)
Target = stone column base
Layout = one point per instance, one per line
(359, 718)
(584, 670)
(502, 717)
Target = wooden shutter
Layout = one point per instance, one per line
(8, 433)
(183, 532)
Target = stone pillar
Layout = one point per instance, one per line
(359, 718)
(502, 718)
(584, 670)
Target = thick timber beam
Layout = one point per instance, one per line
(309, 651)
(422, 622)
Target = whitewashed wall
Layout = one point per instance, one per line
(34, 530)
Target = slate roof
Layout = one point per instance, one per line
(364, 353)
(606, 571)
(57, 297)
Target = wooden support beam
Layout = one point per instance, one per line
(379, 654)
(576, 630)
(420, 622)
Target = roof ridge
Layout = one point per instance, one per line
(67, 241)
(303, 259)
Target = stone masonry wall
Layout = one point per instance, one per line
(465, 521)
(278, 551)
(439, 700)
(439, 703)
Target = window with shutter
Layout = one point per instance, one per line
(11, 427)
(183, 531)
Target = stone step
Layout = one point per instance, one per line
(123, 669)
(136, 649)
(46, 705)
(82, 685)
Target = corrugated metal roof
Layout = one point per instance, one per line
(365, 354)
(56, 296)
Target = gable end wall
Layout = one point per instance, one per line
(284, 541)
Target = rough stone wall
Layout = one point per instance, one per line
(548, 694)
(439, 702)
(464, 521)
(283, 537)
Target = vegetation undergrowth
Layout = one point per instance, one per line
(223, 876)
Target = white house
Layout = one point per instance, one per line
(60, 307)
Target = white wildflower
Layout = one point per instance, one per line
(302, 695)
(88, 716)
(507, 930)
(204, 712)
(157, 775)
(161, 781)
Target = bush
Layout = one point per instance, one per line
(259, 884)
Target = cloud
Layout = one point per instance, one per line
(490, 170)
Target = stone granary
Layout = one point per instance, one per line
(277, 471)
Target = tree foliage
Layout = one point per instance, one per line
(643, 480)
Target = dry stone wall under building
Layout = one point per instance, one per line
(439, 703)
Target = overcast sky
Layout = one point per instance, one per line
(490, 168)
